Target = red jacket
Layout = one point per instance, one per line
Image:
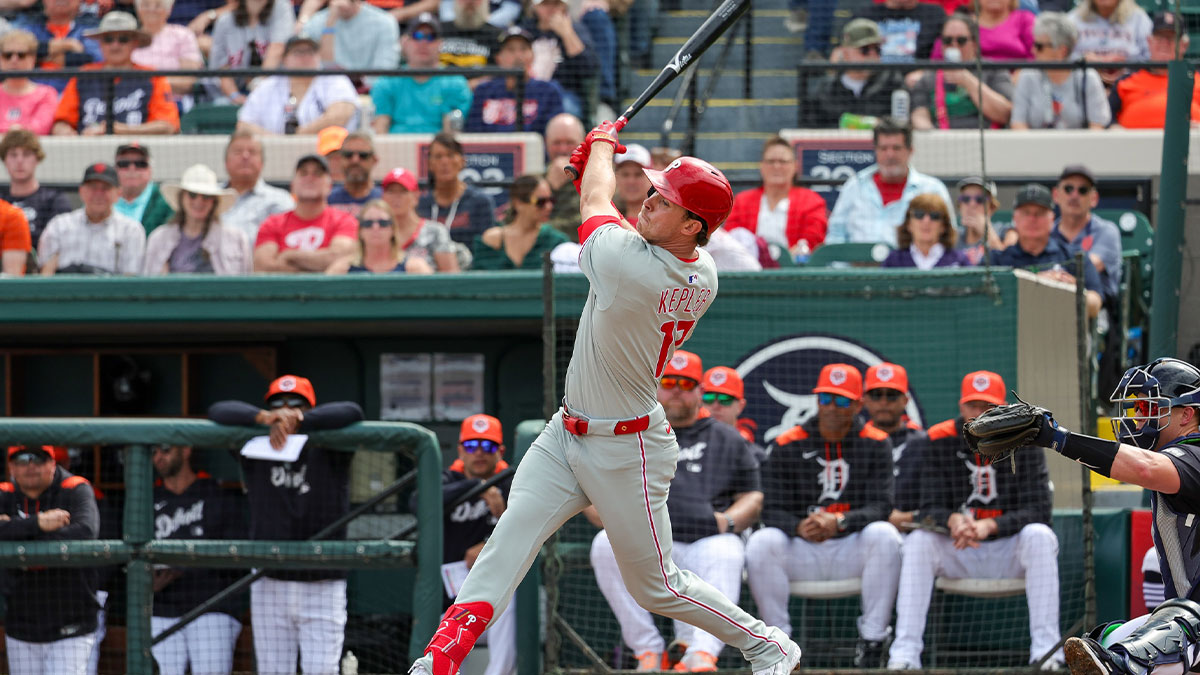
(806, 218)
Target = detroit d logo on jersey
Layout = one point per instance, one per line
(780, 376)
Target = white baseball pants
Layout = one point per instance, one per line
(1032, 553)
(717, 559)
(207, 643)
(68, 656)
(774, 559)
(304, 616)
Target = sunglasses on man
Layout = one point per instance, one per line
(684, 383)
(723, 399)
(27, 458)
(489, 447)
(884, 394)
(825, 398)
(1081, 189)
(287, 401)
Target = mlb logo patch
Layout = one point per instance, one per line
(692, 278)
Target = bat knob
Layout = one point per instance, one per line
(571, 172)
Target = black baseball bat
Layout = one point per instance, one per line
(704, 37)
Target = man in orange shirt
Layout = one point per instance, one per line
(15, 241)
(1139, 99)
(141, 105)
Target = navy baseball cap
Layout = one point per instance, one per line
(101, 172)
(1033, 193)
(1077, 170)
(515, 32)
(1164, 22)
(319, 160)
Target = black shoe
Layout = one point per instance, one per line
(1085, 656)
(868, 653)
(674, 654)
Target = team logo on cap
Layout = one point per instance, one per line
(674, 165)
(885, 374)
(837, 376)
(287, 384)
(480, 425)
(679, 361)
(718, 378)
(99, 167)
(981, 382)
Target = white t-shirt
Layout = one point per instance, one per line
(267, 104)
(772, 223)
(643, 303)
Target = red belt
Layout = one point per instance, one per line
(579, 427)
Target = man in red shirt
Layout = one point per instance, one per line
(1139, 99)
(15, 241)
(313, 235)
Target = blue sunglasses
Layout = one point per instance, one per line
(825, 398)
(423, 35)
(472, 447)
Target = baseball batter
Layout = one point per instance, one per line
(1157, 425)
(610, 444)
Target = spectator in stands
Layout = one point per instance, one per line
(61, 37)
(24, 104)
(562, 51)
(196, 240)
(464, 210)
(401, 10)
(419, 104)
(494, 107)
(724, 398)
(251, 36)
(781, 212)
(876, 198)
(283, 104)
(21, 152)
(715, 495)
(50, 614)
(358, 161)
(1080, 229)
(93, 239)
(15, 243)
(380, 249)
(1139, 99)
(732, 253)
(1005, 31)
(594, 16)
(910, 28)
(354, 34)
(525, 235)
(142, 105)
(468, 39)
(828, 493)
(141, 199)
(632, 183)
(885, 399)
(925, 239)
(859, 92)
(950, 98)
(256, 201)
(467, 524)
(172, 46)
(421, 238)
(189, 504)
(296, 610)
(999, 527)
(313, 235)
(1063, 98)
(329, 142)
(1036, 249)
(1111, 30)
(976, 203)
(564, 132)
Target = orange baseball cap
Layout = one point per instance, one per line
(983, 385)
(840, 378)
(684, 364)
(292, 384)
(47, 450)
(723, 380)
(330, 139)
(886, 376)
(481, 427)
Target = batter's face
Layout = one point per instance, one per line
(32, 477)
(168, 461)
(632, 184)
(726, 412)
(661, 222)
(1072, 202)
(681, 406)
(885, 407)
(892, 155)
(479, 464)
(972, 409)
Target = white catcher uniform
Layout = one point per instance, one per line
(619, 454)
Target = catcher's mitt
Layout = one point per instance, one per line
(1003, 429)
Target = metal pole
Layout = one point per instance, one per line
(1168, 235)
(138, 528)
(549, 340)
(1083, 372)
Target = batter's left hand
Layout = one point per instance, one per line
(605, 132)
(578, 163)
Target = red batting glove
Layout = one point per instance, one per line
(606, 133)
(578, 163)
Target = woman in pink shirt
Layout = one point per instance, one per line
(24, 103)
(173, 47)
(1005, 32)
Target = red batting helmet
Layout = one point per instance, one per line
(697, 186)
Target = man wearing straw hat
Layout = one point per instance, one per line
(140, 104)
(195, 240)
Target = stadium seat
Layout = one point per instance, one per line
(849, 255)
(209, 119)
(826, 590)
(952, 654)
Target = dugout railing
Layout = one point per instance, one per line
(138, 551)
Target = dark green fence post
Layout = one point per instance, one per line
(427, 591)
(139, 529)
(1168, 232)
(528, 596)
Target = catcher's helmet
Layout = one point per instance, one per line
(697, 186)
(1145, 395)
